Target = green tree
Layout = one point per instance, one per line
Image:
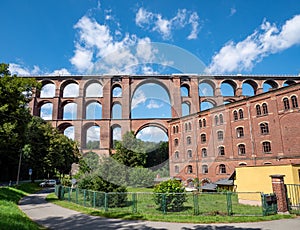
(130, 151)
(15, 94)
(47, 151)
(170, 195)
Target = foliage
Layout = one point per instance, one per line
(141, 177)
(47, 151)
(94, 181)
(15, 94)
(130, 151)
(170, 195)
(92, 160)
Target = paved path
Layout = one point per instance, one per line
(55, 217)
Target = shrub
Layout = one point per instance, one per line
(170, 195)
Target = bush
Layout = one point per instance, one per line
(117, 196)
(170, 195)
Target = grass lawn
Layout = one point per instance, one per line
(216, 212)
(11, 217)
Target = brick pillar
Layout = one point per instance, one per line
(280, 191)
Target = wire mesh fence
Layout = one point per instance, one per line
(189, 203)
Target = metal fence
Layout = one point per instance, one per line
(196, 203)
(293, 197)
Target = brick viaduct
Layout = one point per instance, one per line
(173, 85)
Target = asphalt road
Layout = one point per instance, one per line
(55, 217)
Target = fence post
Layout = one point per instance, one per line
(94, 199)
(69, 194)
(105, 202)
(280, 191)
(134, 203)
(229, 203)
(163, 203)
(76, 195)
(196, 204)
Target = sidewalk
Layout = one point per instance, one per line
(55, 217)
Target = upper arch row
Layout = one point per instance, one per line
(206, 87)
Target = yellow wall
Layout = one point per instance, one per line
(257, 178)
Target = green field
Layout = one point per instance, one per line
(11, 217)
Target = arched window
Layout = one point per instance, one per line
(265, 108)
(221, 119)
(264, 128)
(117, 111)
(174, 129)
(221, 151)
(235, 115)
(176, 142)
(176, 155)
(294, 101)
(188, 140)
(258, 110)
(93, 137)
(184, 89)
(266, 147)
(240, 132)
(177, 129)
(93, 111)
(204, 122)
(204, 169)
(286, 103)
(220, 135)
(70, 111)
(176, 169)
(241, 113)
(203, 138)
(241, 149)
(204, 152)
(200, 123)
(185, 127)
(189, 169)
(222, 169)
(94, 90)
(189, 153)
(185, 107)
(46, 111)
(190, 126)
(216, 120)
(117, 91)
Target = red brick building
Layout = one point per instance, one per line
(260, 130)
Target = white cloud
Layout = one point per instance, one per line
(48, 91)
(139, 97)
(153, 134)
(232, 11)
(153, 104)
(156, 22)
(19, 70)
(245, 54)
(60, 72)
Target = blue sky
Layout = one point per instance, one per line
(68, 37)
(71, 37)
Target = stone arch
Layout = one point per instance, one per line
(186, 108)
(116, 90)
(65, 84)
(70, 111)
(116, 134)
(253, 84)
(166, 102)
(224, 87)
(47, 92)
(269, 85)
(63, 128)
(209, 102)
(153, 124)
(206, 83)
(288, 83)
(46, 110)
(91, 136)
(91, 86)
(185, 90)
(116, 110)
(93, 110)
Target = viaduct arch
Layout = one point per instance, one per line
(113, 94)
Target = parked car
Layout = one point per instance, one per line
(48, 183)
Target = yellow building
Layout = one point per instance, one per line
(252, 180)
